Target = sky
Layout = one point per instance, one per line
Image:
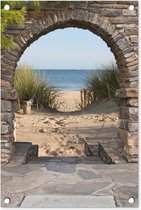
(68, 48)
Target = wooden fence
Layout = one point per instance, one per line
(87, 97)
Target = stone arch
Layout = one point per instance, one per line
(121, 46)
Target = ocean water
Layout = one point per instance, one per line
(66, 80)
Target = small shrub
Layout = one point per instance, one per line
(104, 82)
(28, 86)
(47, 95)
(25, 82)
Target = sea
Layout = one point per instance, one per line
(66, 79)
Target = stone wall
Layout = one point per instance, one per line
(115, 24)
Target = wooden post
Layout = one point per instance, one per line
(82, 101)
(85, 99)
(27, 107)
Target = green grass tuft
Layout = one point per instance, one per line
(104, 82)
(28, 85)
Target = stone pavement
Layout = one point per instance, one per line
(55, 180)
(68, 201)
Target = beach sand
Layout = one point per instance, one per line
(62, 134)
(70, 101)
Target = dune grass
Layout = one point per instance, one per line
(104, 82)
(28, 85)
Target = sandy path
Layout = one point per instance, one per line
(63, 134)
(71, 101)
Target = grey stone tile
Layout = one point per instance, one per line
(61, 167)
(122, 194)
(123, 177)
(5, 179)
(15, 199)
(68, 179)
(68, 201)
(108, 190)
(82, 188)
(27, 182)
(88, 175)
(23, 169)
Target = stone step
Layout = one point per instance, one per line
(106, 149)
(20, 155)
(110, 154)
(69, 160)
(33, 151)
(91, 149)
(64, 201)
(92, 160)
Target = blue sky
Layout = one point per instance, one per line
(69, 48)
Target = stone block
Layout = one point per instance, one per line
(132, 84)
(14, 53)
(10, 57)
(128, 50)
(111, 12)
(131, 150)
(131, 31)
(118, 20)
(133, 68)
(12, 32)
(6, 106)
(95, 10)
(133, 79)
(7, 138)
(36, 14)
(134, 38)
(133, 73)
(132, 63)
(127, 12)
(6, 145)
(19, 42)
(127, 93)
(10, 94)
(7, 71)
(132, 102)
(6, 128)
(127, 55)
(131, 59)
(7, 117)
(7, 78)
(131, 20)
(123, 45)
(5, 66)
(5, 151)
(129, 126)
(6, 84)
(5, 158)
(128, 138)
(8, 62)
(67, 201)
(129, 158)
(130, 113)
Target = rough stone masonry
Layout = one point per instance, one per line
(115, 24)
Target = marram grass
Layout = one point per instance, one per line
(104, 82)
(28, 85)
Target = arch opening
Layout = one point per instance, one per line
(66, 133)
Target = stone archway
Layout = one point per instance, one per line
(116, 25)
